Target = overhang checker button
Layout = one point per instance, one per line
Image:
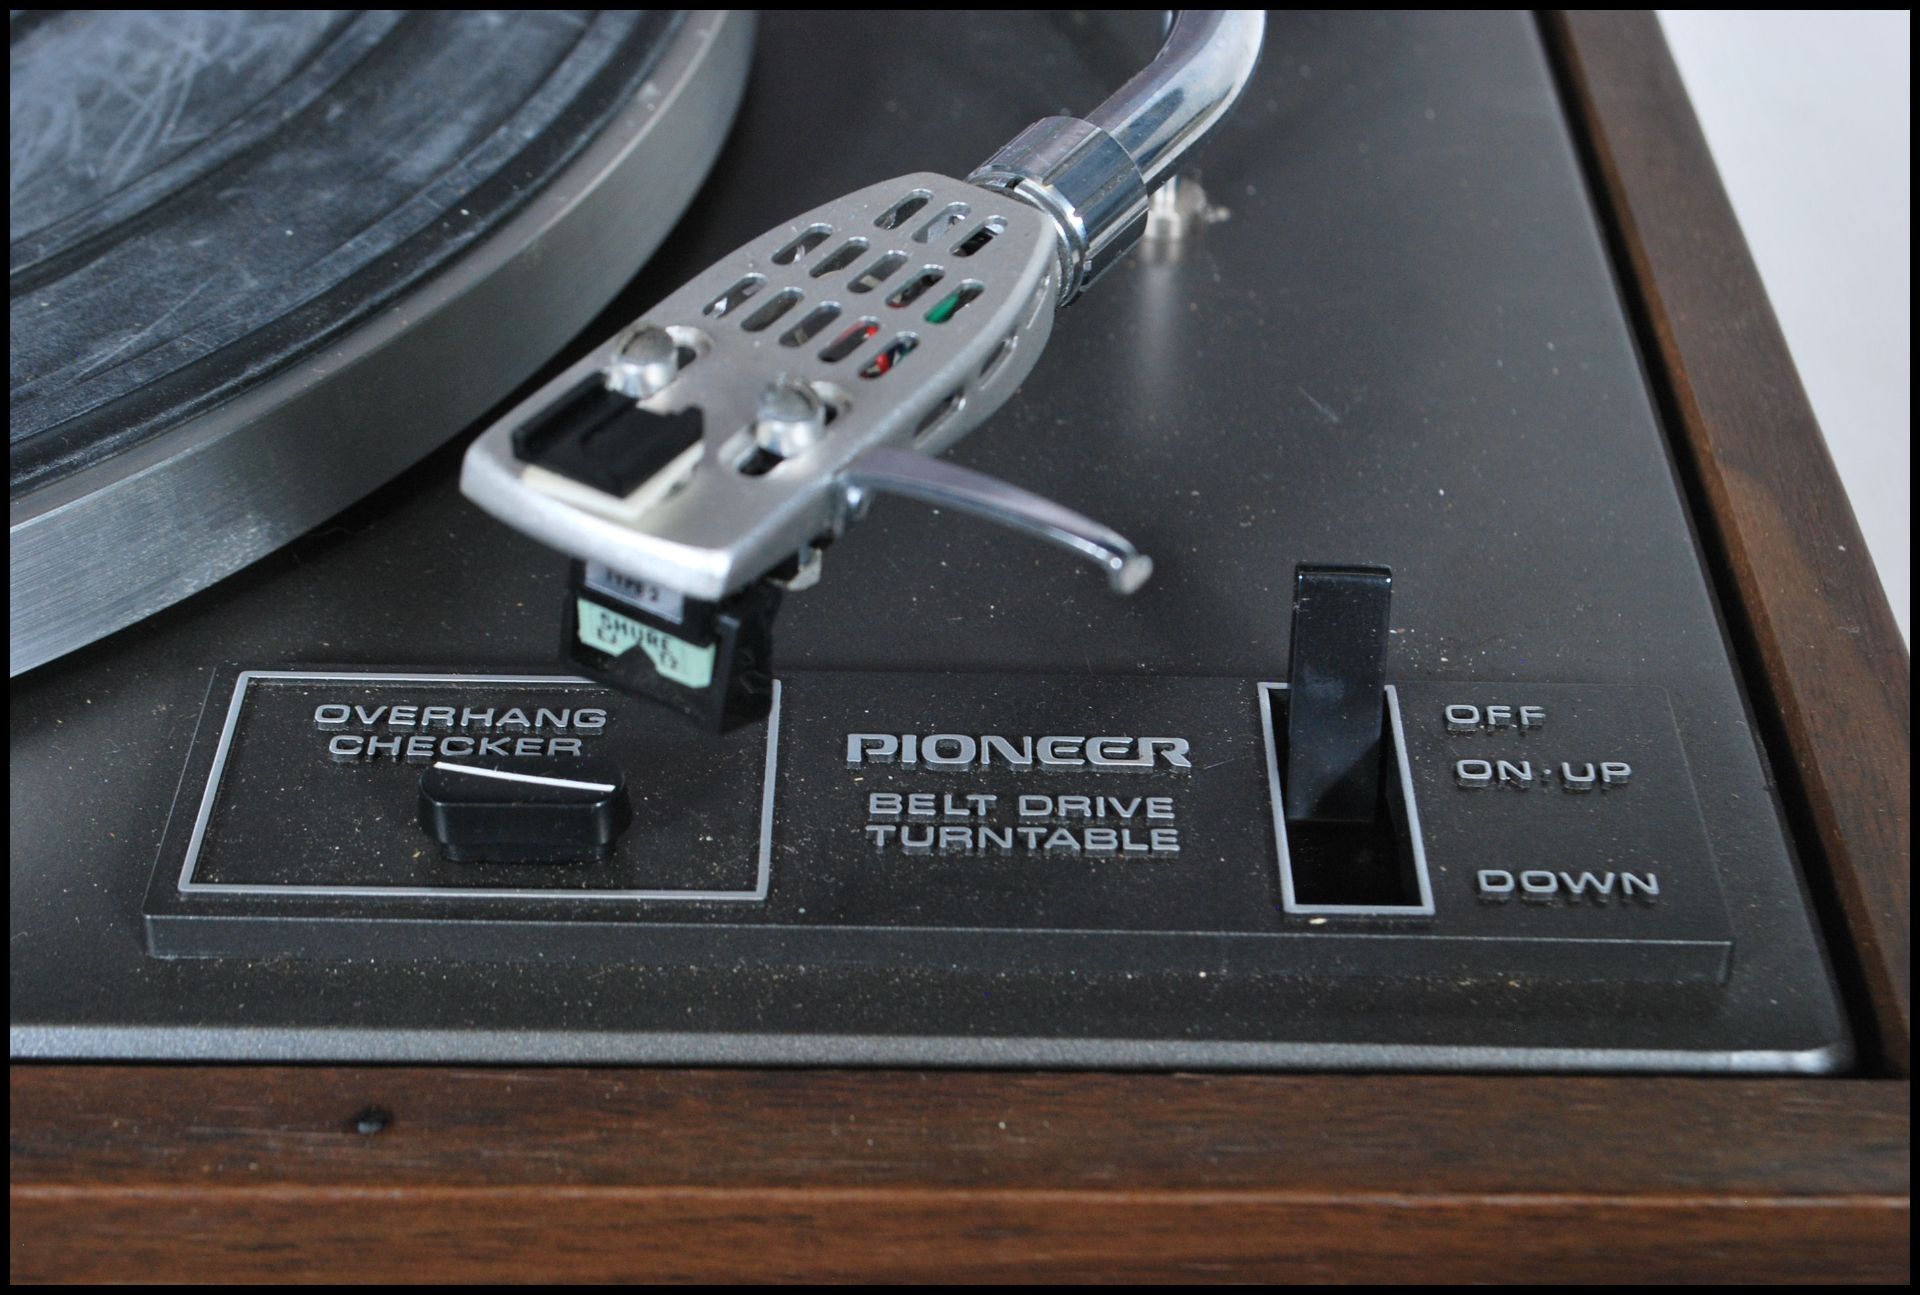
(525, 810)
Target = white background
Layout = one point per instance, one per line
(1808, 116)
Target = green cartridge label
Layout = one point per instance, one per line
(608, 631)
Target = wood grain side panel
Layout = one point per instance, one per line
(1458, 1135)
(1806, 603)
(446, 1234)
(261, 1173)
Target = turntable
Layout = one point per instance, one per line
(610, 609)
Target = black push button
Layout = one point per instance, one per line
(524, 810)
(1335, 683)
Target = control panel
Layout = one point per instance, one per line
(1320, 827)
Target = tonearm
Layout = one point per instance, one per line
(695, 465)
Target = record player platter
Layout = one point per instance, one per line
(261, 262)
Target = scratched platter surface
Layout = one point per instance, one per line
(199, 200)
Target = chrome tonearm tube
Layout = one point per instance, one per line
(695, 465)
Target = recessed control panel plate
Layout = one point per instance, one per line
(312, 787)
(932, 822)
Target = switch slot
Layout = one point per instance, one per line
(1371, 866)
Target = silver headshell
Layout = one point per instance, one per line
(898, 317)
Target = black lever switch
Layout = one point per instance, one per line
(1336, 679)
(523, 810)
